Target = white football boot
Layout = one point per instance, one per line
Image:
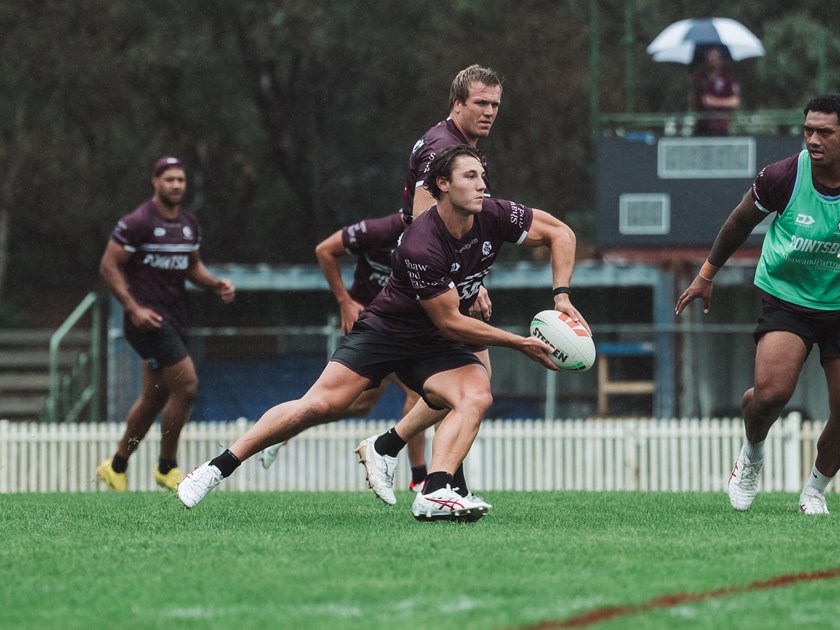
(379, 470)
(198, 484)
(743, 482)
(445, 504)
(812, 501)
(268, 455)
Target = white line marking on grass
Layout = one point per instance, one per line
(196, 612)
(461, 605)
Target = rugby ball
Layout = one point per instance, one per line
(574, 349)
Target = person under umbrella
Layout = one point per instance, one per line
(714, 94)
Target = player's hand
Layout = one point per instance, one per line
(225, 290)
(350, 311)
(145, 318)
(700, 288)
(563, 304)
(482, 307)
(537, 350)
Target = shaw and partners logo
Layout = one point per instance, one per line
(517, 214)
(178, 262)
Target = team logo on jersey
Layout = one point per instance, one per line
(486, 248)
(159, 231)
(187, 231)
(804, 219)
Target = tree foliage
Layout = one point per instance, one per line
(295, 117)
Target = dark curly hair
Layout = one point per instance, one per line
(825, 104)
(441, 165)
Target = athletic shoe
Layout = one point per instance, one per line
(474, 498)
(116, 481)
(812, 501)
(478, 508)
(416, 487)
(743, 482)
(170, 480)
(445, 504)
(268, 455)
(198, 484)
(379, 470)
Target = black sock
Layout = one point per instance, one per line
(437, 480)
(227, 462)
(459, 483)
(165, 465)
(389, 443)
(418, 474)
(119, 464)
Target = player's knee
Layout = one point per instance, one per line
(478, 400)
(315, 411)
(187, 389)
(772, 398)
(360, 409)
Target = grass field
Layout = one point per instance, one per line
(345, 560)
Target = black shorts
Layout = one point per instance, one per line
(375, 355)
(159, 348)
(812, 326)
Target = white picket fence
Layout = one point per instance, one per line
(592, 454)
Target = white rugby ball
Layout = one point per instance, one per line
(574, 349)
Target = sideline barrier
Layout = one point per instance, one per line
(592, 454)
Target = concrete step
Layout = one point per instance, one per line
(21, 408)
(40, 338)
(34, 359)
(14, 382)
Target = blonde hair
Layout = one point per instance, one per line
(460, 89)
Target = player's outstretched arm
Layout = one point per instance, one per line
(735, 230)
(549, 231)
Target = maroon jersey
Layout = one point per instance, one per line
(723, 85)
(773, 186)
(160, 251)
(442, 135)
(372, 241)
(429, 261)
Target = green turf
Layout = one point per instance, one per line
(345, 560)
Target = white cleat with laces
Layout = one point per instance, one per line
(743, 482)
(379, 470)
(268, 455)
(812, 501)
(445, 504)
(198, 484)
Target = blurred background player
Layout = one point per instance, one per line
(153, 250)
(716, 92)
(799, 273)
(372, 241)
(474, 99)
